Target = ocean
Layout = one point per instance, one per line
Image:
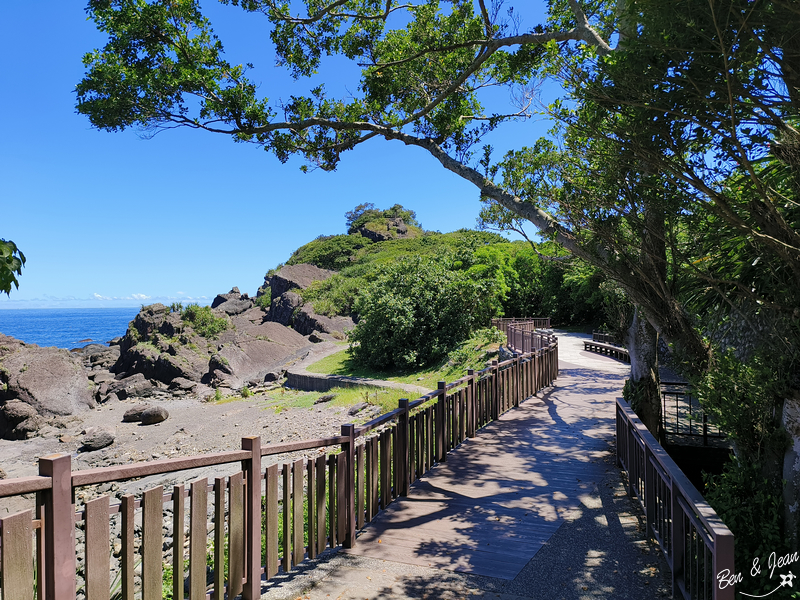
(66, 327)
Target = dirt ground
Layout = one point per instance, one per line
(193, 427)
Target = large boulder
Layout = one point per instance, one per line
(135, 385)
(306, 321)
(265, 349)
(134, 413)
(153, 415)
(164, 361)
(159, 347)
(232, 303)
(295, 277)
(96, 438)
(145, 324)
(283, 308)
(51, 380)
(12, 415)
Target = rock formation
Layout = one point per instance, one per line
(287, 307)
(36, 383)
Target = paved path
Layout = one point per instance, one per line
(533, 507)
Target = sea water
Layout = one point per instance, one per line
(66, 327)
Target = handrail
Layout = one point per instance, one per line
(683, 500)
(24, 485)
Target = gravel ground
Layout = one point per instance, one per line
(193, 427)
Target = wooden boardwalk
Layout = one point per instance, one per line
(501, 495)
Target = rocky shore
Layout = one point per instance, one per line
(82, 402)
(166, 353)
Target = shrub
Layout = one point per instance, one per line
(203, 321)
(332, 252)
(413, 314)
(265, 299)
(751, 509)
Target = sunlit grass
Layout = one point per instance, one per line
(472, 354)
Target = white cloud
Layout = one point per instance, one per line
(140, 296)
(97, 296)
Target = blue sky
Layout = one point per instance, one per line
(116, 220)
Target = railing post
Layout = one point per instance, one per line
(252, 469)
(348, 449)
(723, 559)
(441, 423)
(495, 390)
(59, 528)
(403, 467)
(649, 493)
(677, 545)
(471, 403)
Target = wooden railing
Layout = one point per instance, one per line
(526, 324)
(605, 338)
(521, 341)
(696, 543)
(263, 518)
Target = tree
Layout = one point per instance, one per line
(11, 262)
(692, 115)
(414, 313)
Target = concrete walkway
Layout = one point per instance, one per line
(532, 507)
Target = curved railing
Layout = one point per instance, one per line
(263, 518)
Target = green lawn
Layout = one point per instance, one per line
(472, 354)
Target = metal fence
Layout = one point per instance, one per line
(683, 416)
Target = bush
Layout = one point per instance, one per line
(265, 299)
(203, 321)
(331, 252)
(413, 314)
(747, 504)
(744, 399)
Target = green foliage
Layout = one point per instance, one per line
(751, 508)
(472, 353)
(265, 299)
(11, 262)
(366, 213)
(360, 215)
(744, 399)
(246, 393)
(176, 307)
(329, 252)
(413, 314)
(203, 321)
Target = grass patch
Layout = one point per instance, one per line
(471, 354)
(285, 398)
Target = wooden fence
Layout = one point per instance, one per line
(262, 519)
(696, 543)
(605, 338)
(523, 324)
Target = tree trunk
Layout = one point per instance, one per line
(642, 390)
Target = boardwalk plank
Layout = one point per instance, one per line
(502, 494)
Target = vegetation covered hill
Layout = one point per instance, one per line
(416, 294)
